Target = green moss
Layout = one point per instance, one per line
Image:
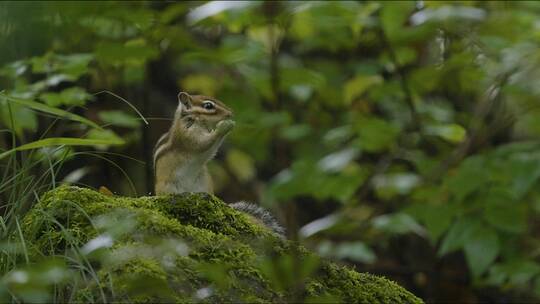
(222, 259)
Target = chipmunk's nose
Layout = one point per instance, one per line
(230, 115)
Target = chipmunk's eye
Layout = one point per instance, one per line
(208, 105)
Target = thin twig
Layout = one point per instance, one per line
(416, 124)
(124, 100)
(481, 111)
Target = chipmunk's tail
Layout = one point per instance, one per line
(262, 215)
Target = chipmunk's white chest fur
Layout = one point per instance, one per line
(191, 176)
(180, 173)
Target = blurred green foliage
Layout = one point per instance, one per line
(400, 136)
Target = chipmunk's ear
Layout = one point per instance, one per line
(185, 99)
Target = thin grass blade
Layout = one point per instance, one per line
(66, 141)
(53, 111)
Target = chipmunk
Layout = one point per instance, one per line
(200, 125)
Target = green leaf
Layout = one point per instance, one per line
(337, 136)
(459, 234)
(356, 251)
(75, 65)
(306, 178)
(398, 223)
(337, 161)
(268, 35)
(14, 69)
(447, 13)
(355, 87)
(52, 81)
(375, 134)
(453, 133)
(69, 97)
(296, 132)
(436, 218)
(53, 111)
(293, 76)
(327, 24)
(119, 118)
(104, 135)
(394, 14)
(17, 117)
(61, 141)
(172, 12)
(470, 176)
(522, 271)
(524, 173)
(278, 270)
(516, 273)
(390, 185)
(70, 66)
(213, 8)
(481, 249)
(37, 281)
(405, 55)
(503, 212)
(341, 187)
(425, 79)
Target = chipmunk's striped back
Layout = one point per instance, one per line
(160, 148)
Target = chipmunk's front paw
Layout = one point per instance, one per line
(225, 126)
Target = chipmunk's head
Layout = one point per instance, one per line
(206, 110)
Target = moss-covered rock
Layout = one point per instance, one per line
(185, 248)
